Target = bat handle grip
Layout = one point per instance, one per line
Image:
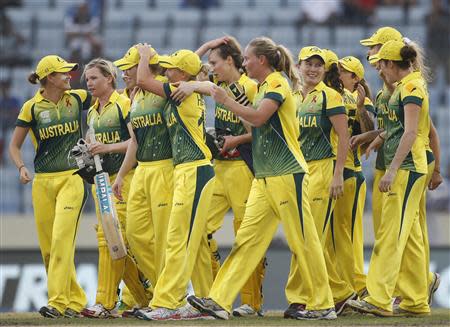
(91, 134)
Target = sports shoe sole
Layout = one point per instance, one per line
(375, 312)
(199, 306)
(434, 287)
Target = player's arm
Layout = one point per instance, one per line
(100, 148)
(436, 178)
(128, 163)
(412, 112)
(205, 47)
(185, 89)
(145, 79)
(15, 145)
(366, 118)
(364, 138)
(256, 118)
(340, 124)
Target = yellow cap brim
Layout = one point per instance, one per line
(68, 67)
(374, 59)
(124, 64)
(166, 62)
(368, 42)
(313, 55)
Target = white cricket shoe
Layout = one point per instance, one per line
(245, 311)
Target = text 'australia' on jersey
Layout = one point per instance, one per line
(275, 144)
(147, 120)
(318, 139)
(186, 124)
(411, 89)
(54, 128)
(111, 127)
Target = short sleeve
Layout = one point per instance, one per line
(335, 103)
(85, 97)
(412, 93)
(25, 118)
(276, 90)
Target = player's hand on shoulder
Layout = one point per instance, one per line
(183, 90)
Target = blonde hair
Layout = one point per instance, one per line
(106, 67)
(278, 56)
(418, 63)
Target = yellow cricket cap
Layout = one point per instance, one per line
(53, 64)
(381, 36)
(353, 65)
(331, 58)
(131, 59)
(389, 51)
(186, 60)
(311, 51)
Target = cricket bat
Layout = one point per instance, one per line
(108, 213)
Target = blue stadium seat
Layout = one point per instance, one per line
(183, 38)
(284, 35)
(220, 17)
(186, 18)
(155, 36)
(285, 16)
(254, 17)
(389, 15)
(245, 35)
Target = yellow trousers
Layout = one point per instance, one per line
(186, 236)
(111, 272)
(58, 199)
(232, 187)
(399, 247)
(423, 227)
(273, 200)
(377, 200)
(321, 174)
(148, 212)
(347, 230)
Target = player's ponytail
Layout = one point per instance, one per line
(278, 57)
(33, 78)
(287, 65)
(332, 78)
(417, 61)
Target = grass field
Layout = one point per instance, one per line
(439, 317)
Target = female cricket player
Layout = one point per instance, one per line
(150, 197)
(324, 143)
(193, 186)
(280, 190)
(233, 176)
(110, 115)
(53, 118)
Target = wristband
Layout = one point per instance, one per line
(20, 168)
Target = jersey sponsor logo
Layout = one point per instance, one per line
(226, 115)
(58, 130)
(103, 192)
(108, 137)
(147, 120)
(308, 121)
(283, 202)
(44, 116)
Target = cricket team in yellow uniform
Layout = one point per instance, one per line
(294, 133)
